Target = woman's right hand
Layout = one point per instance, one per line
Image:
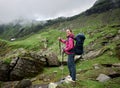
(59, 38)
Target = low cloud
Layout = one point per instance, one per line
(41, 9)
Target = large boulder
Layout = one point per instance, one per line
(52, 60)
(25, 67)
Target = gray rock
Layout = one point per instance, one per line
(102, 78)
(25, 83)
(96, 66)
(52, 85)
(52, 60)
(96, 53)
(10, 84)
(25, 67)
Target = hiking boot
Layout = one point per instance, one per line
(68, 79)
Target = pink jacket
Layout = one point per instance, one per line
(69, 44)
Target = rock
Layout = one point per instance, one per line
(93, 54)
(52, 85)
(33, 79)
(4, 71)
(10, 84)
(96, 66)
(25, 67)
(42, 76)
(52, 59)
(116, 65)
(25, 83)
(102, 78)
(39, 86)
(118, 31)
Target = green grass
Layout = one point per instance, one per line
(87, 74)
(86, 79)
(114, 83)
(7, 60)
(36, 41)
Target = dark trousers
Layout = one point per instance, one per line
(71, 66)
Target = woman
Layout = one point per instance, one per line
(69, 45)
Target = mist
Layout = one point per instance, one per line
(41, 9)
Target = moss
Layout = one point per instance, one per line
(7, 60)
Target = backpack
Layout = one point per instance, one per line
(78, 49)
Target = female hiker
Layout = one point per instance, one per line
(69, 45)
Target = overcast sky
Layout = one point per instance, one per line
(41, 9)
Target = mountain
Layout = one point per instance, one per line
(37, 47)
(103, 12)
(103, 6)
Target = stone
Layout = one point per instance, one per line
(96, 53)
(102, 78)
(52, 85)
(96, 66)
(52, 59)
(25, 67)
(9, 84)
(25, 83)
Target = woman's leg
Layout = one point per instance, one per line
(71, 66)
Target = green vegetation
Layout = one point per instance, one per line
(7, 60)
(98, 28)
(86, 73)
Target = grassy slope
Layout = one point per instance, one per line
(81, 24)
(85, 79)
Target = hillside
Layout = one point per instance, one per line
(34, 59)
(103, 12)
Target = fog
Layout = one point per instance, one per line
(41, 9)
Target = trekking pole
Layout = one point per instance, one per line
(62, 64)
(60, 47)
(62, 58)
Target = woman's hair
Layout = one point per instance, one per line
(69, 29)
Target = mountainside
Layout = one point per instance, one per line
(34, 59)
(103, 6)
(103, 12)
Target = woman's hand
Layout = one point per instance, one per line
(59, 38)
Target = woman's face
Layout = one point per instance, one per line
(68, 32)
